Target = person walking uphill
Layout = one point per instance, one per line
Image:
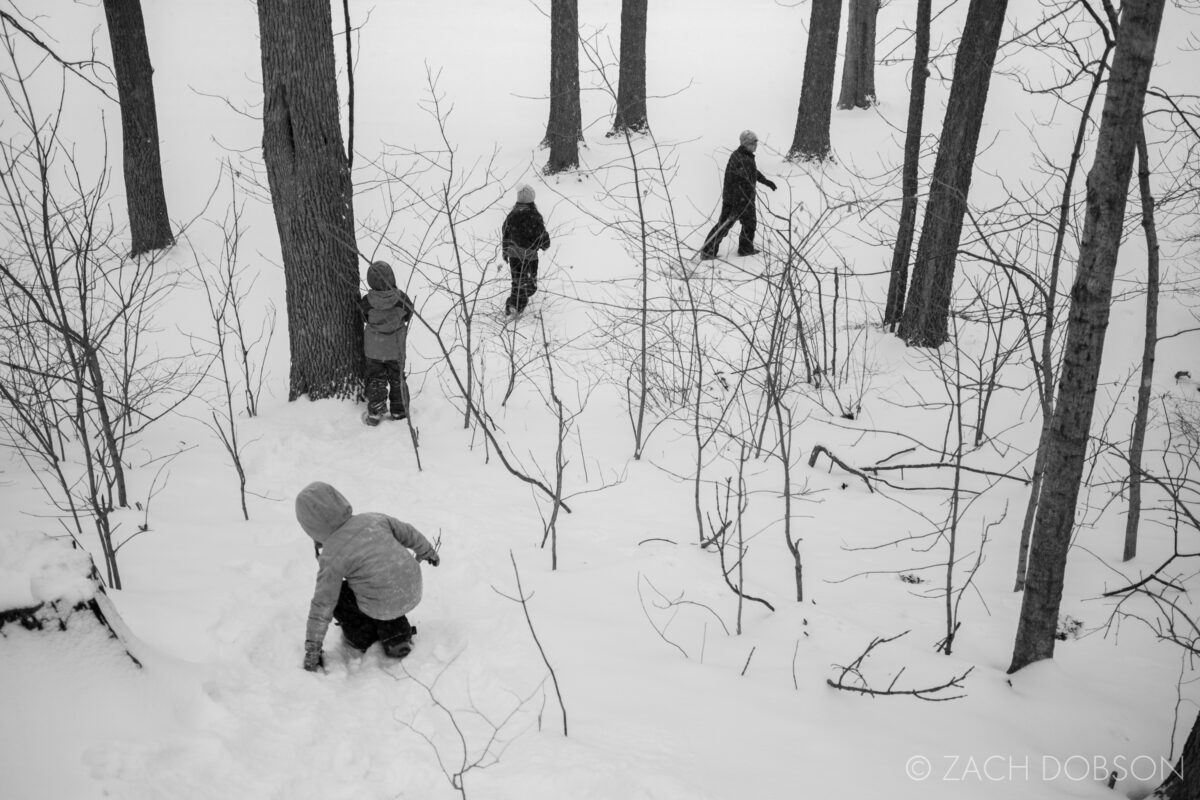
(387, 311)
(522, 235)
(737, 199)
(366, 577)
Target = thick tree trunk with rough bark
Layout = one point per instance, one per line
(631, 86)
(565, 128)
(1091, 296)
(149, 225)
(928, 306)
(858, 66)
(811, 141)
(1149, 345)
(912, 161)
(312, 197)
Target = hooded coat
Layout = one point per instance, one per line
(387, 311)
(369, 551)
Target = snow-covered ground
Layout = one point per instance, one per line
(663, 697)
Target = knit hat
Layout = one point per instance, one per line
(747, 137)
(525, 193)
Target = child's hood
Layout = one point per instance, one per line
(321, 510)
(382, 281)
(380, 276)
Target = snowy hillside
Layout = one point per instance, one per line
(672, 686)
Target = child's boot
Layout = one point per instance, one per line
(398, 647)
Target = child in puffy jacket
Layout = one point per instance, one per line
(367, 578)
(387, 311)
(523, 235)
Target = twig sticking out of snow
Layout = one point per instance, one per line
(854, 670)
(523, 600)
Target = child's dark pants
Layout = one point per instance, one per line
(742, 212)
(386, 388)
(362, 631)
(524, 281)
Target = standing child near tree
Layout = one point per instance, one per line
(523, 234)
(387, 311)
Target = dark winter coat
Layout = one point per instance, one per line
(368, 551)
(741, 174)
(524, 233)
(387, 311)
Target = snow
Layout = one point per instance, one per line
(221, 707)
(35, 568)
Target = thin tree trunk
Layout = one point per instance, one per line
(1046, 378)
(631, 85)
(925, 314)
(107, 430)
(149, 225)
(858, 66)
(912, 162)
(811, 141)
(565, 127)
(1091, 295)
(1143, 398)
(310, 192)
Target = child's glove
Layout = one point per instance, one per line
(770, 185)
(433, 559)
(313, 658)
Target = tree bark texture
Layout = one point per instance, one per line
(928, 306)
(858, 66)
(146, 202)
(311, 194)
(1142, 413)
(1087, 323)
(811, 140)
(631, 86)
(1183, 783)
(1046, 370)
(565, 128)
(912, 161)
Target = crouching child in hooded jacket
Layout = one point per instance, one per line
(387, 311)
(367, 578)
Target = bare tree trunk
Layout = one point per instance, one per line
(1184, 781)
(858, 67)
(565, 128)
(107, 431)
(1046, 372)
(928, 306)
(1143, 397)
(631, 84)
(311, 194)
(1091, 295)
(912, 161)
(811, 141)
(149, 225)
